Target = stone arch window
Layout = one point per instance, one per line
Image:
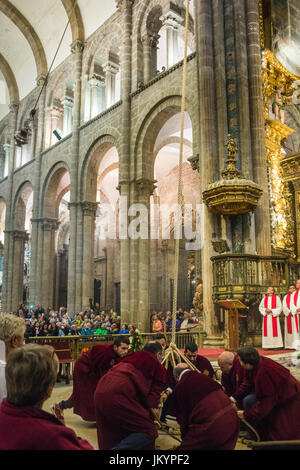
(102, 85)
(24, 152)
(59, 117)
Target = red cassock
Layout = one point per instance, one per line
(29, 428)
(276, 415)
(206, 417)
(88, 369)
(234, 384)
(204, 365)
(124, 397)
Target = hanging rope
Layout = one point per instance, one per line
(33, 111)
(179, 195)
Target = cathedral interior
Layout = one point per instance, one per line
(90, 137)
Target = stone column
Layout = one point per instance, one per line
(36, 231)
(111, 71)
(257, 124)
(49, 227)
(146, 41)
(125, 7)
(171, 21)
(19, 237)
(96, 95)
(56, 116)
(2, 162)
(89, 217)
(8, 241)
(67, 103)
(145, 190)
(77, 50)
(208, 166)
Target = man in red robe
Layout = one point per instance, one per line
(201, 362)
(233, 379)
(276, 412)
(88, 370)
(124, 399)
(206, 417)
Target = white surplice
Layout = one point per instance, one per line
(270, 341)
(291, 340)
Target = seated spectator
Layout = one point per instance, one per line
(157, 325)
(39, 310)
(11, 336)
(124, 330)
(44, 331)
(28, 330)
(187, 321)
(53, 329)
(87, 329)
(73, 330)
(30, 376)
(103, 330)
(114, 329)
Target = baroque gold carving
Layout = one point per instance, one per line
(278, 88)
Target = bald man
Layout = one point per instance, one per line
(206, 417)
(233, 378)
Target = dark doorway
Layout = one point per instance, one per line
(97, 291)
(118, 298)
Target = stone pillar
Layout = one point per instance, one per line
(2, 162)
(89, 217)
(171, 21)
(146, 40)
(145, 190)
(111, 71)
(67, 103)
(8, 241)
(77, 50)
(49, 227)
(56, 117)
(257, 124)
(19, 238)
(87, 98)
(125, 7)
(208, 167)
(36, 231)
(96, 84)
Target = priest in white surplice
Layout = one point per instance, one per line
(270, 307)
(291, 319)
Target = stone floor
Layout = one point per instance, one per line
(164, 442)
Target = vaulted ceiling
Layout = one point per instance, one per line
(30, 32)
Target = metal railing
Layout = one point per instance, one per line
(81, 343)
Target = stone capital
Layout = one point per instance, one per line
(14, 107)
(89, 208)
(171, 19)
(77, 46)
(145, 186)
(110, 67)
(96, 80)
(49, 224)
(124, 4)
(40, 80)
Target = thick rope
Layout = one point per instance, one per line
(177, 224)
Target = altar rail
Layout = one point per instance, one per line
(81, 343)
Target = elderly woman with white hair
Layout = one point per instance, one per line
(12, 329)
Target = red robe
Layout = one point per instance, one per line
(234, 383)
(124, 397)
(204, 365)
(88, 369)
(29, 428)
(206, 417)
(276, 415)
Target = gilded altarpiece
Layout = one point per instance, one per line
(278, 89)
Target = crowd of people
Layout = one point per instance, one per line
(163, 322)
(92, 321)
(112, 384)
